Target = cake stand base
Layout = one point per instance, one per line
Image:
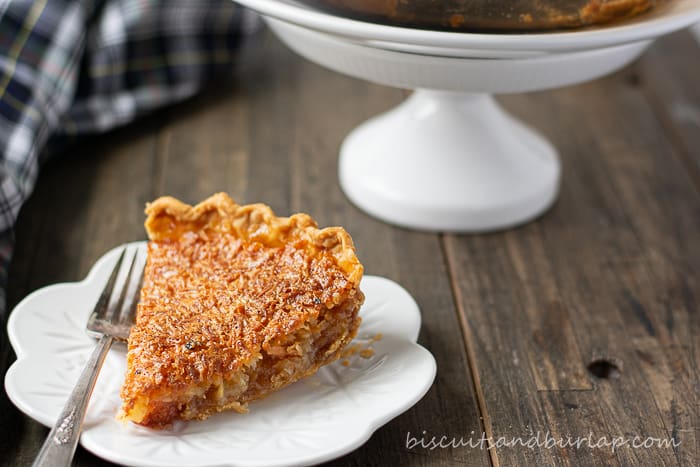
(446, 161)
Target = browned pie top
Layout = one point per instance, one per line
(223, 281)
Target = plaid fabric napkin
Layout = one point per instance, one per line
(70, 67)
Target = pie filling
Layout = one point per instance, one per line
(232, 310)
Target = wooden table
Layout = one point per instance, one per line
(585, 322)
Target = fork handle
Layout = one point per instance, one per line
(60, 444)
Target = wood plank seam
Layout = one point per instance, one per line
(485, 421)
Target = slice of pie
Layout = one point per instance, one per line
(236, 303)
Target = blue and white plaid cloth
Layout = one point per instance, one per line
(71, 67)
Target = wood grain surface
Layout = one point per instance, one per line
(583, 323)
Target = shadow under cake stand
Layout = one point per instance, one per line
(449, 158)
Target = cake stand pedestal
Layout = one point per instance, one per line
(448, 160)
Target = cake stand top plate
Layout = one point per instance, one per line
(676, 15)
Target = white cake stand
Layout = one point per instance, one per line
(449, 158)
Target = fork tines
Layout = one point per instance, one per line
(115, 310)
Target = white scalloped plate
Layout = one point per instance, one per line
(314, 420)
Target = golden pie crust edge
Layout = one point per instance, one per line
(168, 218)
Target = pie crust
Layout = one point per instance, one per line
(236, 303)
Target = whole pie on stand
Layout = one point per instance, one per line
(501, 15)
(236, 303)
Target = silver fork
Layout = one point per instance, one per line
(111, 319)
